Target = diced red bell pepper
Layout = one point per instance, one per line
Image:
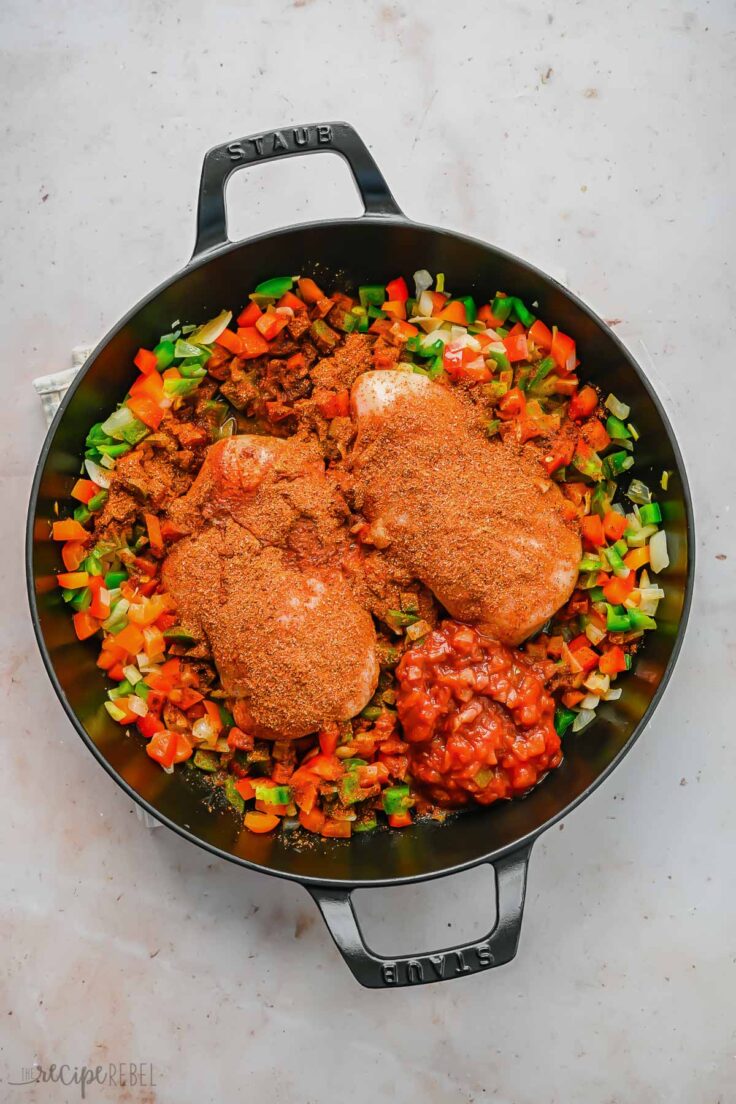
(400, 820)
(541, 335)
(394, 309)
(488, 318)
(512, 404)
(402, 330)
(613, 661)
(454, 312)
(562, 350)
(84, 489)
(326, 766)
(313, 820)
(335, 405)
(311, 292)
(146, 411)
(617, 590)
(583, 403)
(149, 387)
(69, 530)
(145, 361)
(270, 324)
(328, 739)
(72, 553)
(72, 580)
(244, 786)
(337, 829)
(594, 432)
(591, 527)
(250, 315)
(230, 341)
(517, 347)
(560, 455)
(99, 607)
(149, 725)
(584, 655)
(288, 299)
(260, 822)
(85, 624)
(251, 343)
(614, 526)
(397, 290)
(162, 747)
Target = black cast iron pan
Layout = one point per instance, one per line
(365, 250)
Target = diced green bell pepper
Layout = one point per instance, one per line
(114, 579)
(396, 799)
(82, 515)
(500, 359)
(366, 825)
(206, 760)
(135, 431)
(650, 514)
(177, 635)
(275, 287)
(616, 429)
(641, 620)
(563, 720)
(274, 795)
(235, 799)
(617, 618)
(371, 295)
(471, 311)
(618, 462)
(618, 567)
(97, 501)
(121, 690)
(543, 369)
(164, 353)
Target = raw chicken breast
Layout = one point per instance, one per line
(259, 578)
(477, 521)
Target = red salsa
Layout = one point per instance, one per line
(477, 717)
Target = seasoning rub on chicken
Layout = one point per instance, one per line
(476, 520)
(258, 578)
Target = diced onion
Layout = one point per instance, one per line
(425, 304)
(639, 492)
(639, 538)
(132, 674)
(584, 717)
(422, 282)
(137, 705)
(119, 420)
(597, 683)
(658, 556)
(97, 474)
(613, 695)
(429, 339)
(211, 330)
(594, 633)
(617, 408)
(590, 701)
(204, 731)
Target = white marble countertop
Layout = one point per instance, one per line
(594, 139)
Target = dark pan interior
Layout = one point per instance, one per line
(353, 252)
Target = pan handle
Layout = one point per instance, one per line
(222, 161)
(494, 949)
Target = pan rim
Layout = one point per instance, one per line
(353, 883)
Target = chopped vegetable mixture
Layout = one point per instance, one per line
(285, 366)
